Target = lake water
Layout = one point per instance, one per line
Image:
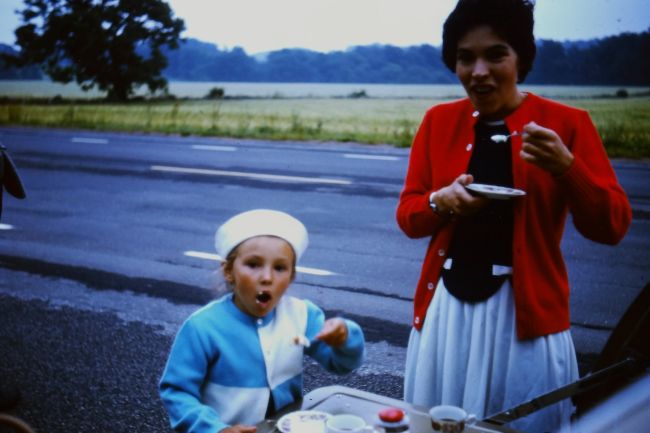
(183, 89)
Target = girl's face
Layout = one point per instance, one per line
(261, 272)
(487, 66)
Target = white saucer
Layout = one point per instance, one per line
(290, 422)
(495, 191)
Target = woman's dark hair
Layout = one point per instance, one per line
(512, 20)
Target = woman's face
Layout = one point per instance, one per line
(487, 66)
(261, 272)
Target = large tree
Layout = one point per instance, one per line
(114, 45)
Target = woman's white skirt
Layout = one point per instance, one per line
(468, 355)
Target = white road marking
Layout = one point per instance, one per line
(214, 148)
(6, 226)
(89, 140)
(301, 269)
(375, 157)
(259, 176)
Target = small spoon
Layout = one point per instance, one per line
(500, 138)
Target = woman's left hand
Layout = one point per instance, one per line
(334, 332)
(544, 148)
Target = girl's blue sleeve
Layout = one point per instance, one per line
(340, 360)
(181, 382)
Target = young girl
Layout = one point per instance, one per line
(239, 359)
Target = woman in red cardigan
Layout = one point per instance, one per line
(491, 310)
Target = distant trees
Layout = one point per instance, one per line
(7, 72)
(115, 45)
(198, 61)
(616, 60)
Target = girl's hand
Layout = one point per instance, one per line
(334, 332)
(544, 148)
(239, 428)
(455, 199)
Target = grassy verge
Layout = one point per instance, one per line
(623, 123)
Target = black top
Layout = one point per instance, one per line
(484, 238)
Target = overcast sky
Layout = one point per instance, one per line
(328, 25)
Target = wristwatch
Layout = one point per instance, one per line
(434, 207)
(432, 204)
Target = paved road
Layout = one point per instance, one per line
(111, 251)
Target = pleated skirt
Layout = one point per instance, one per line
(468, 355)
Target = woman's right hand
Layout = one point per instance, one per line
(239, 428)
(455, 200)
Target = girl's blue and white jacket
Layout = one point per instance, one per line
(224, 363)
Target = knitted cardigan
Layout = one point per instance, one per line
(588, 190)
(225, 365)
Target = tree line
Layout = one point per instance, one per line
(617, 60)
(118, 46)
(200, 61)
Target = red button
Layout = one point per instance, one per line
(391, 414)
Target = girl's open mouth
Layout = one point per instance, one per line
(263, 297)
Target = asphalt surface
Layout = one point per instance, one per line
(93, 283)
(105, 369)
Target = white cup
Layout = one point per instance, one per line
(450, 419)
(347, 424)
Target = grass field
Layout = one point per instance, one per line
(624, 123)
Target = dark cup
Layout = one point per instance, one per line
(449, 419)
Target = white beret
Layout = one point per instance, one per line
(260, 222)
